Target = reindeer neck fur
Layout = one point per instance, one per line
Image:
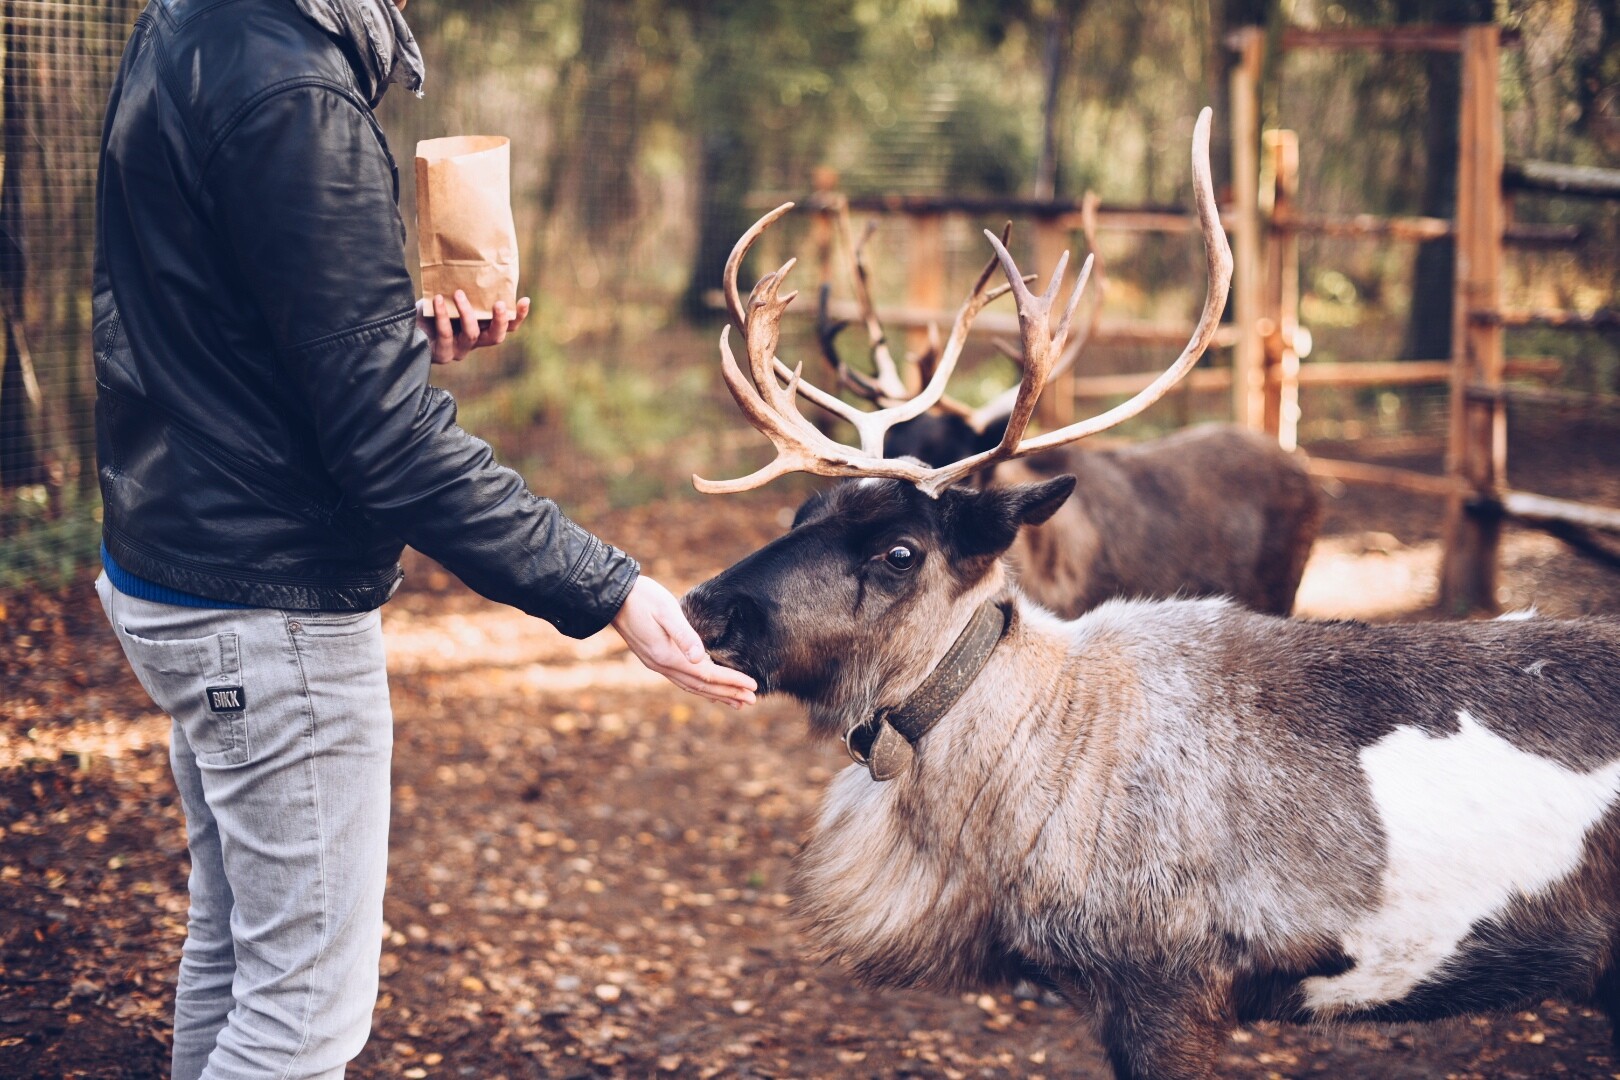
(894, 880)
(1051, 811)
(900, 663)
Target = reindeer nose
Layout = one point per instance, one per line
(705, 612)
(724, 616)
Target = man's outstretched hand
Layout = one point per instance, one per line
(653, 625)
(450, 343)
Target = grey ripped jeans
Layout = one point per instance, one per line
(280, 746)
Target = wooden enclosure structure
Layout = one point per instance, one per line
(1267, 372)
(1266, 337)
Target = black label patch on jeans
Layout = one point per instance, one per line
(226, 699)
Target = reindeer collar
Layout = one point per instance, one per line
(886, 743)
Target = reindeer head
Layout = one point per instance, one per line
(939, 438)
(867, 591)
(850, 610)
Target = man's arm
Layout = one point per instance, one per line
(303, 194)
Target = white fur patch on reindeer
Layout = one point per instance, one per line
(1470, 821)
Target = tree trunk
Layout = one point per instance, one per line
(608, 129)
(725, 175)
(589, 193)
(728, 155)
(19, 449)
(1059, 39)
(1428, 328)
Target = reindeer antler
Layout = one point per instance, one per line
(1001, 406)
(887, 383)
(771, 407)
(885, 388)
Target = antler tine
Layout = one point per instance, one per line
(1001, 405)
(927, 361)
(873, 426)
(1218, 254)
(948, 356)
(761, 325)
(934, 392)
(1009, 348)
(767, 405)
(887, 381)
(796, 450)
(762, 329)
(1099, 288)
(772, 407)
(827, 331)
(892, 393)
(1041, 342)
(734, 261)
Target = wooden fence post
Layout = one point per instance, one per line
(1279, 322)
(1248, 357)
(1056, 406)
(925, 284)
(1477, 449)
(824, 226)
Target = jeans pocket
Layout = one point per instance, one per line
(335, 623)
(198, 682)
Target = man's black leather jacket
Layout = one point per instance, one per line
(265, 429)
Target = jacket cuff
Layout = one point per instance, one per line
(595, 589)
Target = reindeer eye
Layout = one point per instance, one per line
(901, 557)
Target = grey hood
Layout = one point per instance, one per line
(378, 38)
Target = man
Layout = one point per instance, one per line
(267, 438)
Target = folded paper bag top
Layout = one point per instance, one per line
(464, 222)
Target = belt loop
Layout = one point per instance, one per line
(230, 654)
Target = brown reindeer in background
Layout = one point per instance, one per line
(1179, 814)
(1216, 510)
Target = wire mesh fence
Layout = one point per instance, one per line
(59, 61)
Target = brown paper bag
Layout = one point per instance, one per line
(464, 228)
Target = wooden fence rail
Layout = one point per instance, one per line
(1547, 177)
(1601, 319)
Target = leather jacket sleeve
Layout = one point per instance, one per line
(303, 191)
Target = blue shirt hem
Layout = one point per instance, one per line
(138, 587)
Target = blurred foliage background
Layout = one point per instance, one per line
(647, 135)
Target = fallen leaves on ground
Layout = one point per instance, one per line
(589, 875)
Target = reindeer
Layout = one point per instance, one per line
(1216, 510)
(1179, 814)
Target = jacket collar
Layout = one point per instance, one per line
(380, 44)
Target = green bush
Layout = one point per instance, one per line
(44, 542)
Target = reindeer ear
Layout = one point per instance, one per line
(987, 522)
(1038, 502)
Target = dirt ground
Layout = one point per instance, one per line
(588, 869)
